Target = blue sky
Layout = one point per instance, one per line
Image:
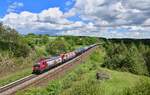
(35, 6)
(78, 17)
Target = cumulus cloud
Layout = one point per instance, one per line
(14, 6)
(95, 15)
(129, 11)
(49, 20)
(116, 12)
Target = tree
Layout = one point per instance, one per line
(11, 41)
(136, 62)
(58, 46)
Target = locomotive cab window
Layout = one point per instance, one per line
(43, 63)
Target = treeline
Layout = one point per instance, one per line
(56, 45)
(128, 56)
(129, 40)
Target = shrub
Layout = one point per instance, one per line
(20, 50)
(95, 56)
(54, 88)
(80, 71)
(66, 82)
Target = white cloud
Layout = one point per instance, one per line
(147, 22)
(69, 14)
(50, 20)
(94, 13)
(138, 4)
(111, 12)
(14, 6)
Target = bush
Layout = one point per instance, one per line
(54, 88)
(67, 81)
(21, 50)
(80, 71)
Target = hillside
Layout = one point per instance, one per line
(82, 81)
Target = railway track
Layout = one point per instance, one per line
(15, 83)
(32, 79)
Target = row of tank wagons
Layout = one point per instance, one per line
(81, 50)
(48, 63)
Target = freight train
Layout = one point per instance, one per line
(49, 63)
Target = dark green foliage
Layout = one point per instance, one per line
(145, 50)
(136, 61)
(20, 50)
(147, 59)
(36, 40)
(8, 35)
(44, 39)
(11, 41)
(58, 46)
(81, 40)
(125, 58)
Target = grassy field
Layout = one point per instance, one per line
(115, 86)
